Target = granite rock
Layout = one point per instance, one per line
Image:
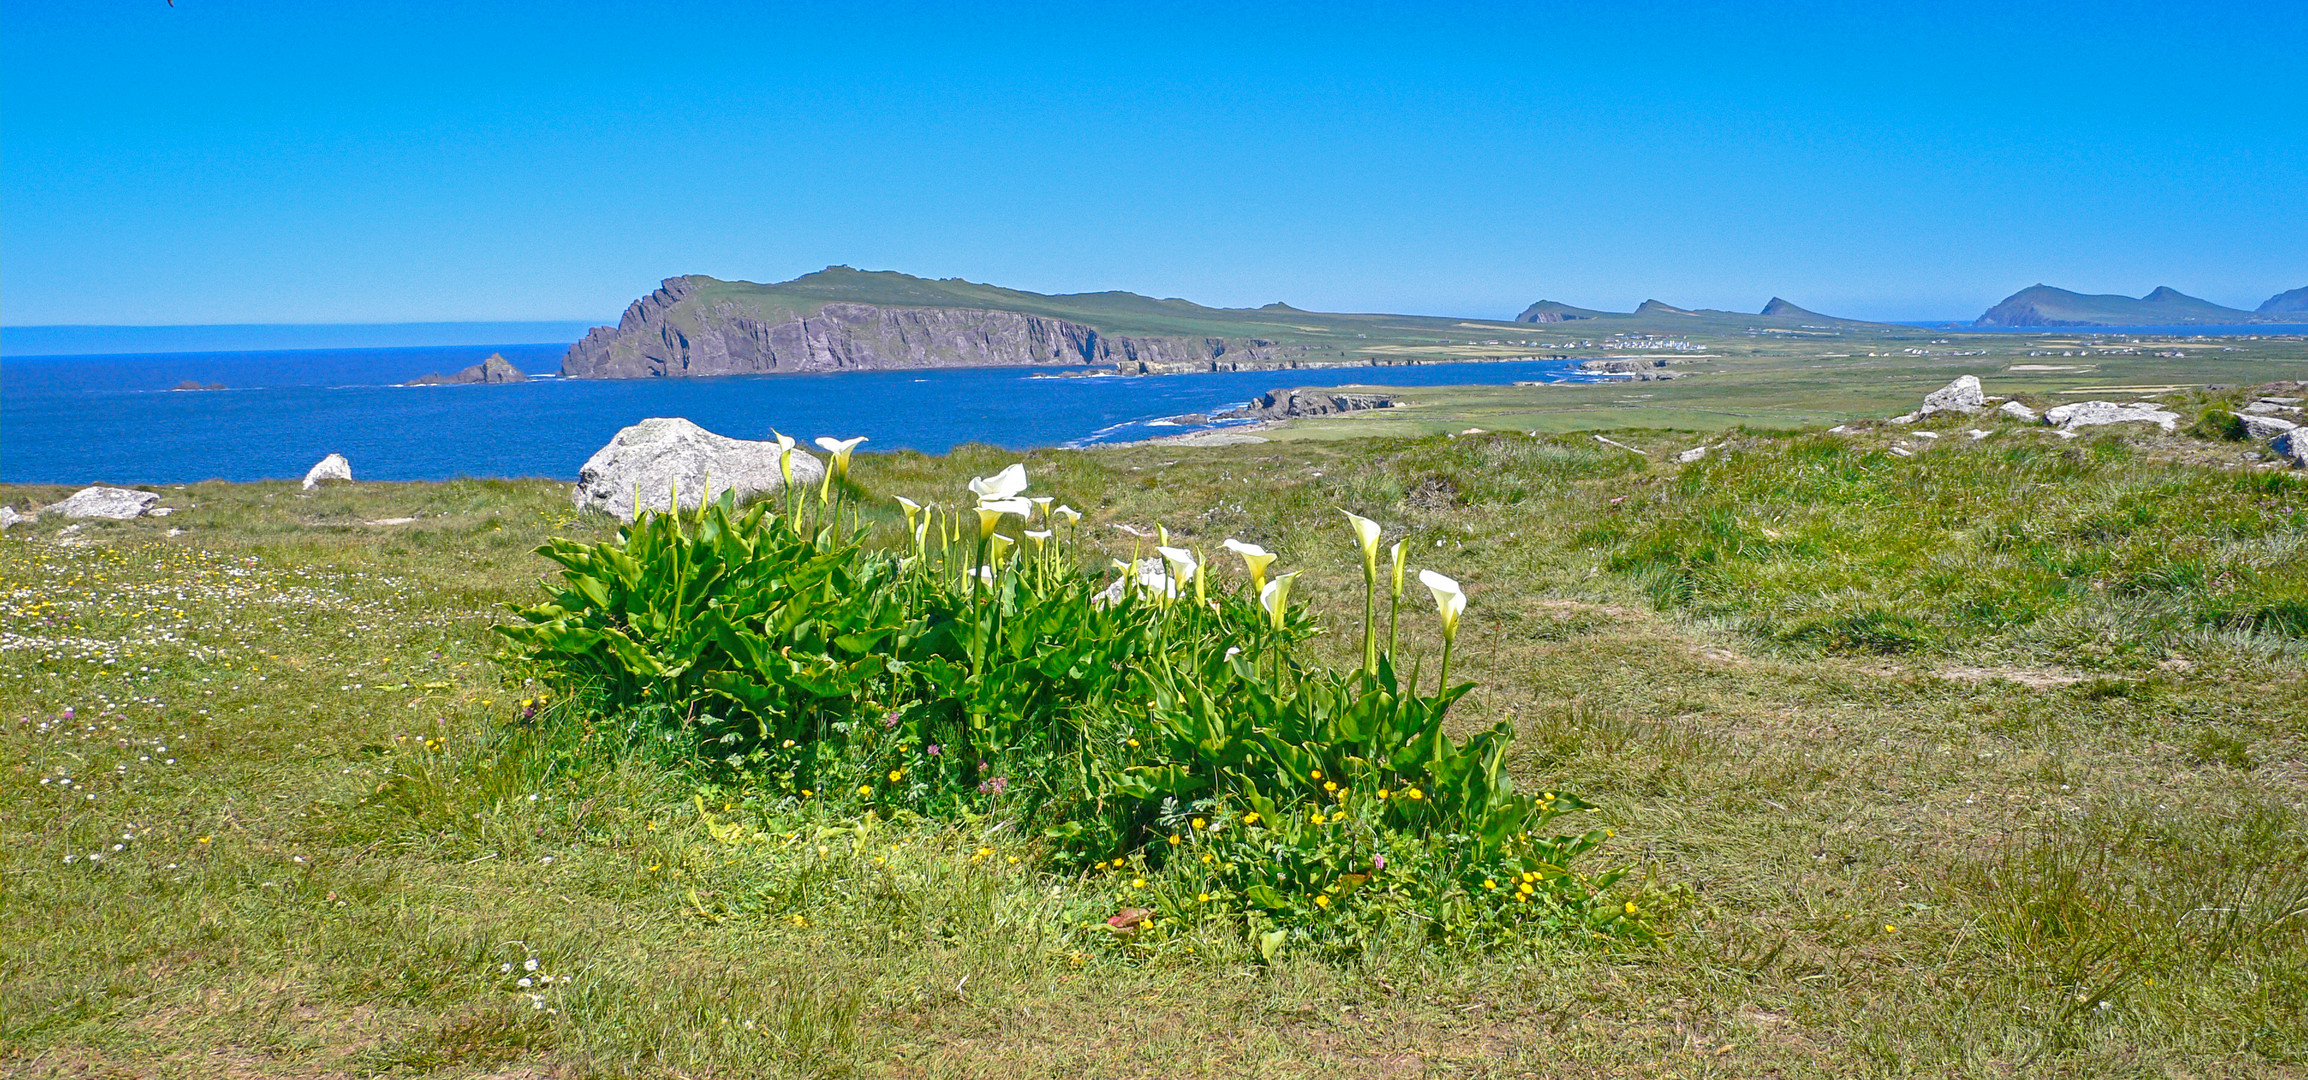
(107, 502)
(2265, 427)
(2292, 446)
(332, 467)
(2095, 413)
(1963, 395)
(659, 457)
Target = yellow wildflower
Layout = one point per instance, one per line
(1321, 901)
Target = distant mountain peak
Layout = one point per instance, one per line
(1778, 306)
(2295, 300)
(1279, 306)
(2044, 305)
(1658, 307)
(1553, 311)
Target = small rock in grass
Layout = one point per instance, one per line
(10, 518)
(1153, 576)
(2292, 446)
(1902, 451)
(2265, 427)
(332, 467)
(1963, 395)
(2017, 411)
(107, 502)
(1927, 434)
(1979, 433)
(1693, 454)
(2096, 413)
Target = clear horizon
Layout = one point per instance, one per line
(274, 164)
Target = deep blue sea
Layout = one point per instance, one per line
(88, 419)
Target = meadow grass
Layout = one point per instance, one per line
(1983, 762)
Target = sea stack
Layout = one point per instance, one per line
(496, 369)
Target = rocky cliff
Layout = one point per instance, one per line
(676, 332)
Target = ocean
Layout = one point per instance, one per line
(114, 419)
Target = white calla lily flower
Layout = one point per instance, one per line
(1182, 564)
(1365, 533)
(1067, 512)
(784, 455)
(1254, 557)
(1275, 597)
(1449, 600)
(1002, 485)
(841, 450)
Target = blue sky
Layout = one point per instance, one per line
(236, 162)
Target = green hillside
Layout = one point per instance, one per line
(2043, 305)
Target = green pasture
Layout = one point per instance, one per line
(1984, 761)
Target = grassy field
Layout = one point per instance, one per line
(1793, 384)
(1988, 761)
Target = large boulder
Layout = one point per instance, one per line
(9, 518)
(107, 502)
(661, 456)
(332, 467)
(2095, 413)
(1963, 396)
